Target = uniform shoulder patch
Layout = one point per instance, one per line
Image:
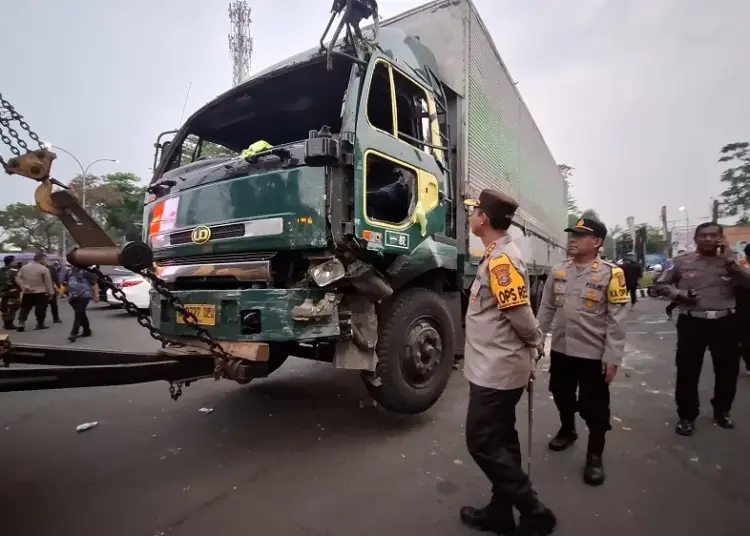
(617, 292)
(507, 283)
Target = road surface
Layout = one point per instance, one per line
(305, 453)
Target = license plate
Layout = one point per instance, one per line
(206, 314)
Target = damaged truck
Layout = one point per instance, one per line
(316, 210)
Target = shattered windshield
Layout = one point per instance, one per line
(280, 110)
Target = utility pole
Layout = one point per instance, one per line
(667, 234)
(715, 211)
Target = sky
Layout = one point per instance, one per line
(638, 96)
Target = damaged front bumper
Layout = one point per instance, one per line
(253, 315)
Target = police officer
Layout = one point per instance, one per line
(585, 295)
(703, 282)
(10, 292)
(501, 341)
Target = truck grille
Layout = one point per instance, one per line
(231, 230)
(217, 258)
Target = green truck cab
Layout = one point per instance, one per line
(316, 211)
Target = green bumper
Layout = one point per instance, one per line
(273, 308)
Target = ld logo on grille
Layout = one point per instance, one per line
(200, 235)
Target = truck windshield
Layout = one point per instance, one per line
(280, 110)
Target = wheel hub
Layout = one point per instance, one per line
(423, 352)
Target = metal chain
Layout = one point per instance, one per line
(18, 117)
(13, 132)
(221, 356)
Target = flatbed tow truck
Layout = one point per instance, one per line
(316, 210)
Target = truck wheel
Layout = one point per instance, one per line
(415, 352)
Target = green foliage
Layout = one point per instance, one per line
(115, 201)
(29, 229)
(736, 196)
(124, 218)
(655, 241)
(194, 148)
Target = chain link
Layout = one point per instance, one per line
(220, 355)
(18, 117)
(6, 122)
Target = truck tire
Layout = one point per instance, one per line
(415, 352)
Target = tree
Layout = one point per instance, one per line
(123, 219)
(567, 172)
(736, 197)
(28, 228)
(591, 214)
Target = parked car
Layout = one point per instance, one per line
(135, 287)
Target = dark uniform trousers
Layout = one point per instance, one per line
(492, 440)
(721, 337)
(578, 385)
(37, 302)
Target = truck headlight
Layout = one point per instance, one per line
(327, 272)
(159, 241)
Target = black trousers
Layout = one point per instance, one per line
(721, 337)
(53, 308)
(492, 440)
(38, 302)
(743, 327)
(578, 385)
(80, 319)
(633, 294)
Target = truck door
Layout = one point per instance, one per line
(398, 179)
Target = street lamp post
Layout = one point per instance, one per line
(687, 228)
(84, 171)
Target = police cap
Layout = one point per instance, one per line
(494, 204)
(590, 227)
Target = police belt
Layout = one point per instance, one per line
(710, 315)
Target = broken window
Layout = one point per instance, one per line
(379, 107)
(412, 110)
(391, 190)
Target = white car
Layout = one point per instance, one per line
(136, 289)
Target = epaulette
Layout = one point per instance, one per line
(609, 263)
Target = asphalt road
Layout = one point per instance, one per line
(305, 453)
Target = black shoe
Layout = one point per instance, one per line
(57, 321)
(685, 427)
(20, 329)
(593, 471)
(540, 523)
(41, 326)
(563, 440)
(85, 334)
(480, 519)
(723, 420)
(72, 337)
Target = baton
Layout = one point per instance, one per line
(530, 390)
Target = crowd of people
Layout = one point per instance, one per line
(36, 286)
(584, 309)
